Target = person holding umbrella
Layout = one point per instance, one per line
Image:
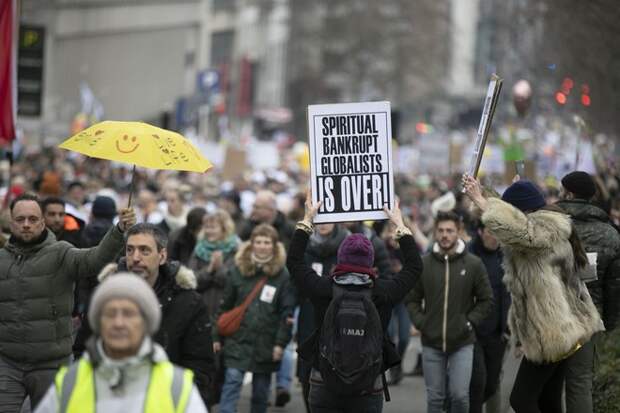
(36, 299)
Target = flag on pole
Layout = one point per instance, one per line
(8, 70)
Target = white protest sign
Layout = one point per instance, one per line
(495, 87)
(351, 160)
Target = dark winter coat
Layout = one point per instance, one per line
(496, 323)
(386, 293)
(599, 236)
(321, 255)
(36, 295)
(282, 224)
(185, 330)
(95, 230)
(75, 238)
(211, 284)
(181, 245)
(455, 290)
(265, 322)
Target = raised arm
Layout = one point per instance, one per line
(306, 280)
(396, 288)
(87, 262)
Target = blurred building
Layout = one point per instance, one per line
(239, 68)
(181, 63)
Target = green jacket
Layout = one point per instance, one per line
(264, 324)
(36, 296)
(452, 291)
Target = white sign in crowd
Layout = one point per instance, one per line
(351, 160)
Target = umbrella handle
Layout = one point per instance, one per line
(133, 181)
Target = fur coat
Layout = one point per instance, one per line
(551, 310)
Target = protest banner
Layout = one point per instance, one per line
(495, 87)
(234, 163)
(351, 160)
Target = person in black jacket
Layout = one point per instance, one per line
(185, 331)
(101, 220)
(601, 242)
(385, 294)
(321, 255)
(492, 332)
(183, 240)
(265, 211)
(102, 216)
(66, 227)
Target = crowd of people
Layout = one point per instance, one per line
(233, 275)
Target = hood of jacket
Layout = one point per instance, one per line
(183, 277)
(247, 268)
(323, 247)
(582, 210)
(458, 253)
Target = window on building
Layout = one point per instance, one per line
(222, 47)
(223, 5)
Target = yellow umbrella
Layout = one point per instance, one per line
(139, 144)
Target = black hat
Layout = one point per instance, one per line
(104, 207)
(524, 195)
(579, 183)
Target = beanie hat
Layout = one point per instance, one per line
(104, 207)
(579, 183)
(524, 195)
(356, 250)
(131, 287)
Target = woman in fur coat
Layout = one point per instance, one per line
(552, 314)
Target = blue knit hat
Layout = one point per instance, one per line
(524, 195)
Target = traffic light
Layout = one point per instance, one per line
(585, 95)
(560, 98)
(567, 85)
(423, 128)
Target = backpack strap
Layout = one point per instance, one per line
(386, 391)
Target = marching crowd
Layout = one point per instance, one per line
(167, 304)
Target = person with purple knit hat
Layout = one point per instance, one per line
(353, 271)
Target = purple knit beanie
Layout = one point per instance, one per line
(356, 249)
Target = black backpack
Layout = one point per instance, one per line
(351, 342)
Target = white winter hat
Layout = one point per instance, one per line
(131, 287)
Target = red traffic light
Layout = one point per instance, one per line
(560, 98)
(568, 83)
(585, 100)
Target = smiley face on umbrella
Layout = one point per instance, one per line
(139, 144)
(128, 145)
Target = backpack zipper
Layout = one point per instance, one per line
(445, 303)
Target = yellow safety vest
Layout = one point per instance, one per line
(168, 391)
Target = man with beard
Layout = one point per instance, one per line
(457, 297)
(37, 278)
(185, 331)
(64, 226)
